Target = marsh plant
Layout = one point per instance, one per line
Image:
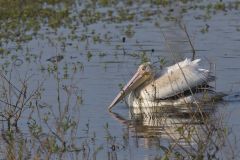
(52, 129)
(41, 100)
(16, 96)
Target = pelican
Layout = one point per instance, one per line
(180, 84)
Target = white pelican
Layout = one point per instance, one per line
(179, 84)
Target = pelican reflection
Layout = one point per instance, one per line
(153, 125)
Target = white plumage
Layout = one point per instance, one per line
(181, 83)
(174, 80)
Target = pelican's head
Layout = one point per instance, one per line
(144, 73)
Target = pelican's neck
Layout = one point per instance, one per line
(143, 85)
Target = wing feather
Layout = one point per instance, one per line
(177, 79)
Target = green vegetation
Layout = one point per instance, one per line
(20, 20)
(42, 102)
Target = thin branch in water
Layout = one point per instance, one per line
(189, 40)
(184, 76)
(9, 104)
(4, 77)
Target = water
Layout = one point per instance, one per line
(97, 61)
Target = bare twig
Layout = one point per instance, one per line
(4, 77)
(189, 40)
(184, 76)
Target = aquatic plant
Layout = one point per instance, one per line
(41, 108)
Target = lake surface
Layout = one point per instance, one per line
(103, 43)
